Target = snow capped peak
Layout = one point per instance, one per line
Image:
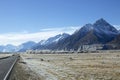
(103, 25)
(99, 25)
(101, 21)
(54, 39)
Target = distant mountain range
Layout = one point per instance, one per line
(7, 48)
(32, 45)
(20, 48)
(100, 33)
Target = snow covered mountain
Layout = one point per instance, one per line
(103, 25)
(101, 30)
(54, 39)
(28, 45)
(104, 31)
(44, 44)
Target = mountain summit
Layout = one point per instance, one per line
(101, 24)
(101, 21)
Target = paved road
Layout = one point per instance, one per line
(5, 65)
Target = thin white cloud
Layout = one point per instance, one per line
(18, 38)
(69, 30)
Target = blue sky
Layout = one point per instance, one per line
(34, 16)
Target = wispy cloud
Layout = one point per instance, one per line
(69, 30)
(18, 38)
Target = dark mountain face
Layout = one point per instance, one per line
(116, 40)
(101, 30)
(104, 31)
(114, 44)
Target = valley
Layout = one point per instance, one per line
(90, 66)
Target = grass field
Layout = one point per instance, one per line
(4, 55)
(88, 66)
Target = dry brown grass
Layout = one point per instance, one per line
(4, 55)
(22, 72)
(88, 66)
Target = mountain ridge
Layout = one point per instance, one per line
(100, 32)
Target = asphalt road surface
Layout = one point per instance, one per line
(6, 65)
